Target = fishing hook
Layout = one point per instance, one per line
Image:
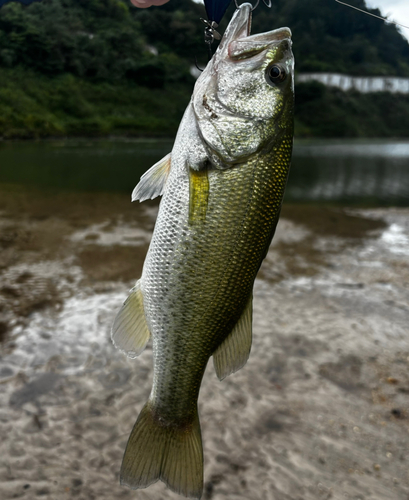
(197, 66)
(267, 3)
(257, 2)
(210, 55)
(210, 33)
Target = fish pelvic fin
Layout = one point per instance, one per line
(130, 332)
(152, 183)
(159, 451)
(198, 195)
(233, 353)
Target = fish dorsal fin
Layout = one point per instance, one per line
(130, 332)
(233, 353)
(153, 181)
(198, 195)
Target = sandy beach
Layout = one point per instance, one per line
(320, 411)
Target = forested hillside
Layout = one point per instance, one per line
(74, 67)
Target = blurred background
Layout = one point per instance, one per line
(91, 95)
(99, 67)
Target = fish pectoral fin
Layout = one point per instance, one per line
(233, 353)
(130, 332)
(152, 183)
(198, 195)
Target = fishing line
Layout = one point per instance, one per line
(215, 10)
(373, 15)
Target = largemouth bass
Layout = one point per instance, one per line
(222, 188)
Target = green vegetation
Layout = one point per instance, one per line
(330, 37)
(99, 67)
(33, 106)
(329, 112)
(99, 40)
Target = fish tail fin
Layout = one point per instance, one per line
(157, 450)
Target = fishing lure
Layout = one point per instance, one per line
(215, 10)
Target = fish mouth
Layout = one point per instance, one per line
(271, 36)
(240, 28)
(244, 18)
(237, 42)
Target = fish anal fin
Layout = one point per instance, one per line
(233, 353)
(152, 183)
(130, 332)
(171, 453)
(198, 195)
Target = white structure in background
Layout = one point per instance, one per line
(195, 72)
(360, 83)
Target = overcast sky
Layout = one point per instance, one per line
(396, 10)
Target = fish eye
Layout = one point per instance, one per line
(275, 74)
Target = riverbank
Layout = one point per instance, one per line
(68, 106)
(321, 409)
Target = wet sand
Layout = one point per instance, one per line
(320, 411)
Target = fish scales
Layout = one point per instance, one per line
(204, 296)
(222, 188)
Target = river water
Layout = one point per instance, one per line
(374, 172)
(320, 411)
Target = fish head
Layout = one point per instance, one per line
(245, 96)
